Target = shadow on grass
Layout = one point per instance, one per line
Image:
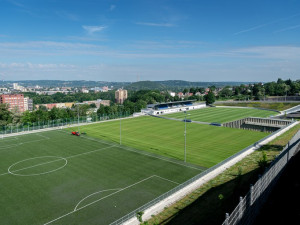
(210, 208)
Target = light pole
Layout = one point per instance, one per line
(120, 127)
(185, 135)
(78, 118)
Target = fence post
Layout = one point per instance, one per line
(226, 219)
(241, 208)
(251, 194)
(259, 185)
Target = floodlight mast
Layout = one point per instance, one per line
(78, 118)
(120, 127)
(185, 135)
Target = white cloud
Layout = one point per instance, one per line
(155, 24)
(40, 66)
(92, 29)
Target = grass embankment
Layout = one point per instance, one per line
(276, 106)
(208, 204)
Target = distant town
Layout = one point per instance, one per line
(27, 104)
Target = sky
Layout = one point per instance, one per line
(134, 40)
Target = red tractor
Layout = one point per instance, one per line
(75, 133)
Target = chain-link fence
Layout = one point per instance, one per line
(249, 206)
(188, 182)
(23, 127)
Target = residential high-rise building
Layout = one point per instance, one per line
(28, 104)
(121, 96)
(14, 101)
(15, 86)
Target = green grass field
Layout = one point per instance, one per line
(221, 115)
(56, 178)
(206, 145)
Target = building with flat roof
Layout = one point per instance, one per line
(28, 104)
(121, 96)
(14, 101)
(172, 107)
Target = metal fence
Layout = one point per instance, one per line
(23, 127)
(249, 206)
(183, 185)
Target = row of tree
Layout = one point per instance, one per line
(255, 91)
(42, 114)
(72, 97)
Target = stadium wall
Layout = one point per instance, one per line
(258, 124)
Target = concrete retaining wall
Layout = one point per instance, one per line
(258, 124)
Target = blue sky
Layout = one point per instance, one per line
(126, 40)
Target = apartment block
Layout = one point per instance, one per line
(14, 101)
(121, 96)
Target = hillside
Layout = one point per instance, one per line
(145, 85)
(174, 85)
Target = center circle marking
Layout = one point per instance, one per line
(36, 174)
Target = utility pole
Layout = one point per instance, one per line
(78, 118)
(185, 135)
(120, 126)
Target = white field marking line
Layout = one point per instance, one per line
(56, 160)
(115, 189)
(21, 143)
(142, 153)
(24, 175)
(99, 149)
(3, 138)
(9, 146)
(166, 179)
(12, 172)
(120, 189)
(3, 174)
(58, 218)
(42, 136)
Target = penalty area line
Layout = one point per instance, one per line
(75, 210)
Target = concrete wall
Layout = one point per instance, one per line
(258, 124)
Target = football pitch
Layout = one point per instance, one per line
(206, 145)
(221, 115)
(56, 178)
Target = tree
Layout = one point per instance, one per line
(209, 98)
(5, 115)
(226, 92)
(93, 105)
